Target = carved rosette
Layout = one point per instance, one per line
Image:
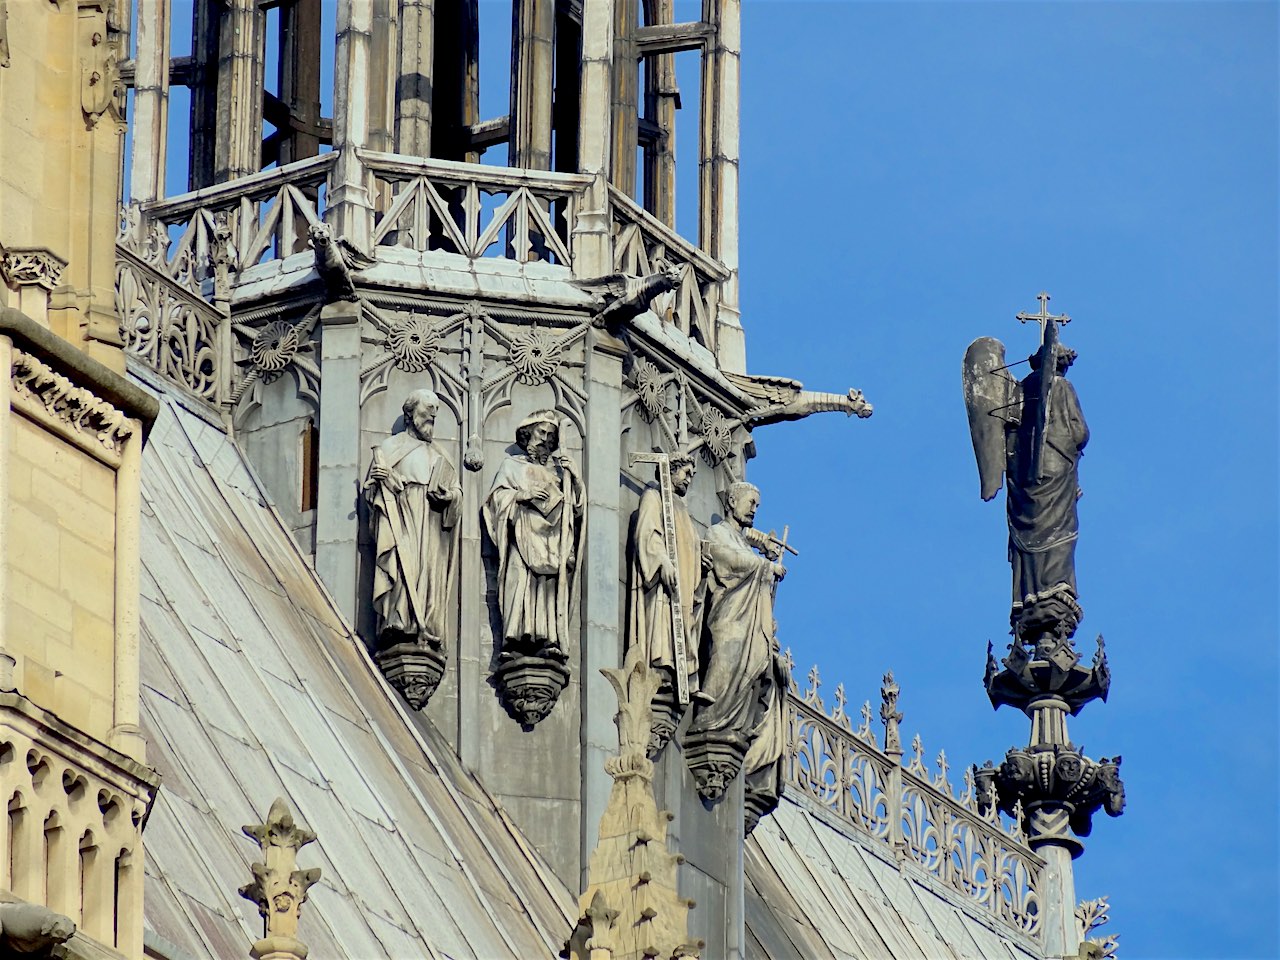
(530, 686)
(413, 670)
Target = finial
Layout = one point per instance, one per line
(864, 731)
(811, 696)
(940, 781)
(890, 716)
(917, 760)
(278, 888)
(837, 712)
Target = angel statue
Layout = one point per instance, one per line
(1033, 433)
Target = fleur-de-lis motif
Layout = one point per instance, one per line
(969, 797)
(864, 731)
(940, 781)
(917, 760)
(837, 712)
(1015, 828)
(811, 696)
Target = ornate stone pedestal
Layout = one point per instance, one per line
(413, 670)
(667, 713)
(530, 686)
(714, 760)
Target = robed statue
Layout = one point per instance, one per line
(414, 502)
(533, 515)
(737, 645)
(654, 583)
(1032, 432)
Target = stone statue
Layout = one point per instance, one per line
(1033, 432)
(737, 644)
(533, 515)
(336, 261)
(762, 768)
(652, 582)
(414, 504)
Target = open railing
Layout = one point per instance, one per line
(641, 242)
(248, 221)
(474, 210)
(917, 816)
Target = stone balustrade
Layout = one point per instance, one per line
(915, 814)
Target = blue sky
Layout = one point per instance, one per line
(912, 175)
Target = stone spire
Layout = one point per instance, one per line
(1032, 433)
(279, 888)
(630, 909)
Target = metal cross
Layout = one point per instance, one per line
(1044, 317)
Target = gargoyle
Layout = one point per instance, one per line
(336, 260)
(781, 398)
(621, 298)
(30, 929)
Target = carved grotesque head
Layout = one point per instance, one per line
(744, 500)
(539, 435)
(319, 234)
(420, 414)
(1109, 777)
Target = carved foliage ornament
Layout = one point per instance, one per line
(38, 266)
(75, 406)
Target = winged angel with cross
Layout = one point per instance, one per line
(1032, 432)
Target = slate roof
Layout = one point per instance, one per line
(817, 890)
(253, 688)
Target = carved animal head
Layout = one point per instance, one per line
(319, 235)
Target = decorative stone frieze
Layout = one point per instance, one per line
(31, 266)
(65, 405)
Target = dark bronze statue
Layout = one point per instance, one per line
(1032, 432)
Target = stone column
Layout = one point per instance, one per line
(337, 524)
(592, 246)
(126, 735)
(533, 66)
(150, 101)
(350, 214)
(718, 220)
(414, 86)
(625, 96)
(601, 582)
(660, 107)
(241, 46)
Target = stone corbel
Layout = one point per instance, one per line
(31, 266)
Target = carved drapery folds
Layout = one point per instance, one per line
(665, 586)
(414, 505)
(533, 516)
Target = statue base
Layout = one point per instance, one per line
(414, 671)
(1049, 669)
(530, 686)
(667, 714)
(757, 804)
(714, 759)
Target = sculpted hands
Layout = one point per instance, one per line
(779, 571)
(538, 494)
(667, 574)
(383, 474)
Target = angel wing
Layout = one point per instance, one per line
(353, 256)
(988, 393)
